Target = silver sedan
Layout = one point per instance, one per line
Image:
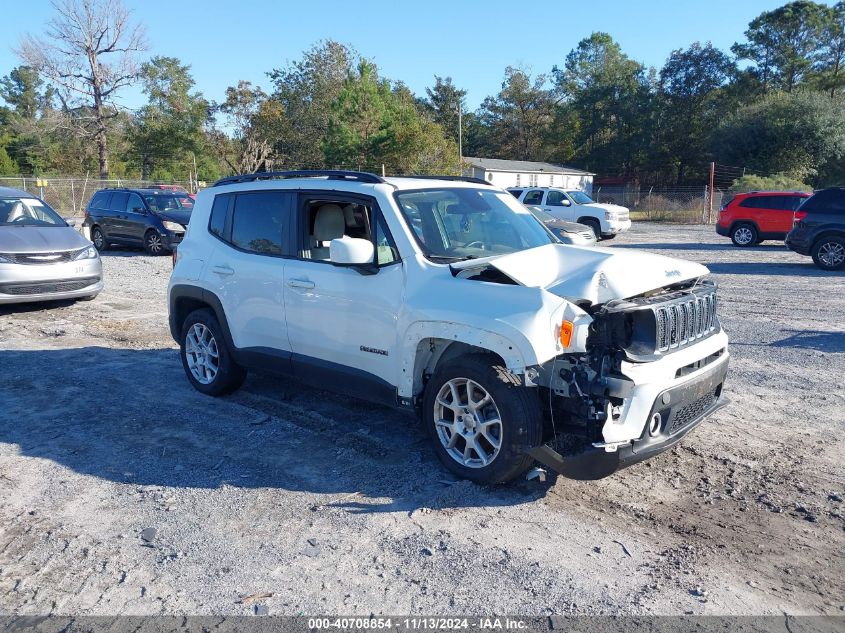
(567, 232)
(42, 258)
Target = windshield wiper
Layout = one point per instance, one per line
(451, 258)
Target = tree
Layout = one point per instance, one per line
(608, 93)
(22, 89)
(519, 117)
(256, 121)
(692, 102)
(793, 134)
(170, 127)
(373, 123)
(305, 91)
(89, 54)
(778, 182)
(443, 101)
(783, 43)
(830, 60)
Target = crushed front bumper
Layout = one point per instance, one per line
(674, 412)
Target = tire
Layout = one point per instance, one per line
(609, 236)
(516, 407)
(829, 253)
(744, 234)
(153, 243)
(593, 224)
(88, 298)
(99, 239)
(213, 377)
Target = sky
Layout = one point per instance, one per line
(472, 42)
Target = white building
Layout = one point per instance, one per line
(524, 173)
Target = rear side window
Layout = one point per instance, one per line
(516, 192)
(118, 202)
(217, 222)
(259, 221)
(794, 202)
(100, 200)
(830, 201)
(758, 202)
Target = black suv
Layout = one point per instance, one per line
(152, 218)
(819, 229)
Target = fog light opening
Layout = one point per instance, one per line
(654, 425)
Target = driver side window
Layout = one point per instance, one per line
(134, 203)
(555, 199)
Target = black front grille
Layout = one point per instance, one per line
(691, 412)
(55, 257)
(47, 287)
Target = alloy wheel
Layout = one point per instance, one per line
(154, 243)
(202, 353)
(468, 423)
(832, 254)
(743, 235)
(98, 239)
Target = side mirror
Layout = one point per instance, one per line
(70, 221)
(353, 251)
(140, 210)
(566, 202)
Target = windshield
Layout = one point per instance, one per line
(460, 223)
(16, 211)
(170, 202)
(580, 197)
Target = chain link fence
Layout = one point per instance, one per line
(68, 196)
(688, 205)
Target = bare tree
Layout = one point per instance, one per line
(89, 55)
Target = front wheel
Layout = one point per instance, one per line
(593, 224)
(206, 358)
(99, 239)
(482, 419)
(153, 243)
(829, 253)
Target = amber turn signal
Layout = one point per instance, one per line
(566, 329)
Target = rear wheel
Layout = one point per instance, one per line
(829, 253)
(99, 239)
(744, 235)
(206, 358)
(481, 419)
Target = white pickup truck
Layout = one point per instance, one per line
(606, 220)
(446, 296)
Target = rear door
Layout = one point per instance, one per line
(247, 269)
(98, 211)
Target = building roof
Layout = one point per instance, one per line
(496, 164)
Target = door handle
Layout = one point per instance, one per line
(300, 283)
(223, 270)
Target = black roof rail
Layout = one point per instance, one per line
(477, 181)
(331, 174)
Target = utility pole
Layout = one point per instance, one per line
(196, 176)
(710, 197)
(460, 132)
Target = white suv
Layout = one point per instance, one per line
(606, 220)
(446, 296)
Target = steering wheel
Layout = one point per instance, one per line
(476, 244)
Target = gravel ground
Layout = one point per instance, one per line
(124, 491)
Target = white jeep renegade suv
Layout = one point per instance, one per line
(445, 295)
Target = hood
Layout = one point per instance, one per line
(569, 227)
(595, 275)
(606, 206)
(39, 239)
(173, 215)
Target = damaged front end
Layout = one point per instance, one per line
(653, 370)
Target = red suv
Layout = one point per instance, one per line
(750, 218)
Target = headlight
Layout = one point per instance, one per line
(173, 226)
(86, 253)
(610, 216)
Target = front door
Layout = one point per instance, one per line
(342, 324)
(559, 205)
(136, 218)
(115, 219)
